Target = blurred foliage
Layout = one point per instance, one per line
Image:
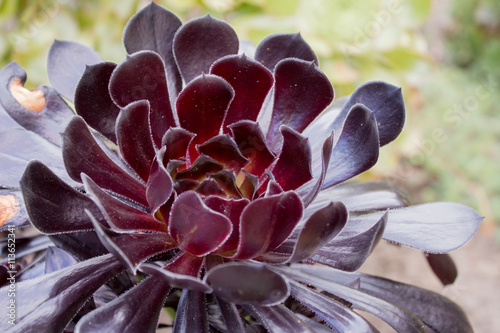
(449, 149)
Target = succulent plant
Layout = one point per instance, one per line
(209, 177)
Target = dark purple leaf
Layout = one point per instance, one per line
(153, 28)
(13, 212)
(196, 228)
(278, 319)
(301, 93)
(120, 216)
(82, 153)
(252, 144)
(201, 167)
(202, 106)
(386, 102)
(251, 82)
(231, 316)
(92, 100)
(438, 313)
(325, 161)
(134, 137)
(175, 279)
(224, 150)
(232, 209)
(334, 313)
(227, 181)
(191, 315)
(52, 205)
(349, 250)
(49, 302)
(41, 110)
(443, 266)
(241, 283)
(140, 306)
(436, 227)
(277, 47)
(160, 186)
(66, 64)
(397, 317)
(132, 249)
(266, 223)
(142, 76)
(177, 141)
(356, 150)
(56, 259)
(293, 167)
(208, 187)
(82, 245)
(200, 42)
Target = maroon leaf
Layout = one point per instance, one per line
(386, 103)
(227, 181)
(120, 216)
(132, 249)
(293, 167)
(192, 305)
(208, 187)
(41, 110)
(266, 223)
(52, 205)
(224, 150)
(49, 302)
(141, 306)
(196, 228)
(82, 153)
(134, 137)
(92, 100)
(301, 92)
(177, 141)
(443, 266)
(142, 76)
(66, 64)
(202, 106)
(252, 144)
(251, 82)
(200, 42)
(160, 186)
(232, 209)
(277, 47)
(153, 28)
(242, 283)
(356, 150)
(201, 167)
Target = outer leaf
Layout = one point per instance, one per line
(82, 153)
(136, 310)
(142, 76)
(277, 47)
(57, 259)
(66, 64)
(266, 223)
(241, 283)
(41, 110)
(301, 92)
(231, 316)
(83, 245)
(196, 228)
(49, 302)
(191, 315)
(202, 106)
(443, 266)
(52, 205)
(335, 314)
(134, 137)
(153, 28)
(200, 42)
(436, 227)
(177, 280)
(386, 102)
(278, 319)
(293, 167)
(356, 150)
(92, 100)
(251, 82)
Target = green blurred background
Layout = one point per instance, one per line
(444, 54)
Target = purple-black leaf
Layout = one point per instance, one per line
(56, 259)
(278, 318)
(191, 315)
(443, 266)
(160, 186)
(224, 150)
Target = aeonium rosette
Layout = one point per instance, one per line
(214, 173)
